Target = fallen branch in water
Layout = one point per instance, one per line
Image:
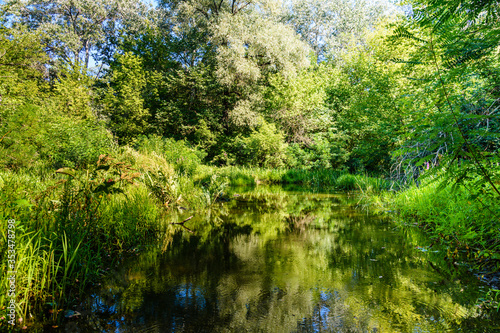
(181, 223)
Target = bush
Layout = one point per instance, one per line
(265, 147)
(328, 151)
(347, 182)
(31, 134)
(75, 143)
(184, 158)
(19, 132)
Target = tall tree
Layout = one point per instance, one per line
(458, 41)
(123, 103)
(237, 46)
(76, 30)
(328, 26)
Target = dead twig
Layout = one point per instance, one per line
(182, 223)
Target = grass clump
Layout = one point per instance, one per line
(73, 225)
(465, 224)
(346, 182)
(454, 218)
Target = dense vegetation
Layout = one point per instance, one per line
(114, 113)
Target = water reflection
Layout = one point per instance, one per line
(275, 261)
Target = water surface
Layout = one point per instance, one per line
(271, 260)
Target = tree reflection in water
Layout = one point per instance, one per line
(277, 261)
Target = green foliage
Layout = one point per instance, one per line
(457, 121)
(21, 89)
(465, 31)
(456, 220)
(362, 96)
(73, 31)
(123, 103)
(21, 70)
(298, 105)
(191, 103)
(327, 26)
(32, 135)
(74, 143)
(315, 177)
(73, 95)
(61, 236)
(178, 153)
(258, 47)
(20, 128)
(214, 189)
(263, 147)
(327, 151)
(346, 182)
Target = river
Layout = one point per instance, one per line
(274, 259)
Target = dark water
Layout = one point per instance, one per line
(271, 260)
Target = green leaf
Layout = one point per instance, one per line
(23, 203)
(67, 171)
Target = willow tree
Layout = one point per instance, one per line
(250, 48)
(226, 51)
(329, 26)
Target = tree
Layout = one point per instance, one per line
(22, 88)
(459, 43)
(75, 30)
(264, 147)
(298, 104)
(328, 26)
(123, 103)
(367, 96)
(21, 67)
(220, 55)
(465, 30)
(73, 93)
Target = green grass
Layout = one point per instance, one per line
(249, 176)
(453, 217)
(72, 225)
(240, 175)
(466, 224)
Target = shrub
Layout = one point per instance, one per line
(328, 151)
(74, 143)
(264, 147)
(185, 159)
(31, 133)
(347, 182)
(19, 131)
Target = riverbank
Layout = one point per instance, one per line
(467, 226)
(340, 180)
(68, 227)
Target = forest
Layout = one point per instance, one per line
(116, 114)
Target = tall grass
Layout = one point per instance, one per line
(241, 175)
(319, 177)
(466, 225)
(71, 227)
(455, 218)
